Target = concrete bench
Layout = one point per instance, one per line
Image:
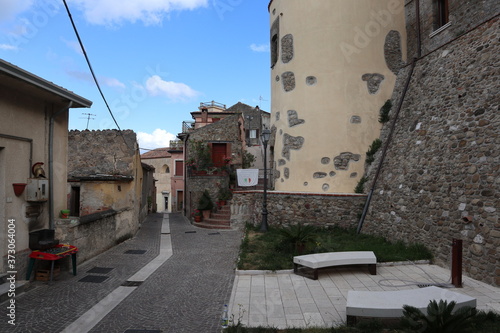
(389, 304)
(323, 260)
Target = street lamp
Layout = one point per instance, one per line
(266, 134)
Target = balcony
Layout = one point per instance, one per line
(187, 126)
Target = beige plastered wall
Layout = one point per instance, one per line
(27, 117)
(337, 42)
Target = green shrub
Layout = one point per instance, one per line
(384, 112)
(361, 185)
(205, 202)
(374, 147)
(439, 319)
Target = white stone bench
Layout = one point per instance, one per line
(323, 260)
(389, 304)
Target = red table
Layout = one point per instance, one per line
(54, 253)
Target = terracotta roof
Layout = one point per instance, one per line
(157, 153)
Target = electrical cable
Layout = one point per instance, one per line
(90, 66)
(94, 76)
(409, 283)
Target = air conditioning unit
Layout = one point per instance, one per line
(37, 190)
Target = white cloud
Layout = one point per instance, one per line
(260, 48)
(173, 90)
(110, 12)
(103, 80)
(11, 8)
(158, 139)
(112, 82)
(8, 47)
(73, 45)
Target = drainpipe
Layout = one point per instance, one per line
(386, 146)
(51, 163)
(396, 116)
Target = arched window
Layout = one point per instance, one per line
(166, 169)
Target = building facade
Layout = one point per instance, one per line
(333, 66)
(33, 130)
(439, 179)
(161, 160)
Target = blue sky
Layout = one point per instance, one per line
(155, 60)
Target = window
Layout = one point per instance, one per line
(179, 168)
(274, 42)
(253, 134)
(166, 169)
(442, 13)
(74, 204)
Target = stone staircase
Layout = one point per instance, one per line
(219, 220)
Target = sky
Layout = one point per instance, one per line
(155, 60)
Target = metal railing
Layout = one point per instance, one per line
(187, 126)
(176, 144)
(212, 104)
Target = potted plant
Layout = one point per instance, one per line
(201, 156)
(198, 216)
(205, 204)
(224, 195)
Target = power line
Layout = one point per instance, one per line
(90, 66)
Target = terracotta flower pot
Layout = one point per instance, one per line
(197, 218)
(19, 188)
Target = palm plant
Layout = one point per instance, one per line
(298, 236)
(440, 318)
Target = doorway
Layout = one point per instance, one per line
(219, 151)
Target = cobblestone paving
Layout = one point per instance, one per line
(186, 294)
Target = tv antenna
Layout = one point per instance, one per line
(261, 99)
(89, 116)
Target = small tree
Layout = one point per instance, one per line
(205, 202)
(248, 159)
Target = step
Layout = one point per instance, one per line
(213, 220)
(210, 226)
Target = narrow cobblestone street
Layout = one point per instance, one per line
(185, 294)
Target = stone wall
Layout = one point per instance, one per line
(227, 130)
(285, 208)
(92, 234)
(108, 152)
(463, 16)
(440, 179)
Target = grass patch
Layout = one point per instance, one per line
(482, 322)
(275, 249)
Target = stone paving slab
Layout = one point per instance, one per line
(285, 300)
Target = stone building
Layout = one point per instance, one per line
(436, 177)
(440, 177)
(161, 160)
(225, 134)
(169, 176)
(333, 66)
(108, 189)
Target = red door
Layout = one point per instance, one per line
(218, 154)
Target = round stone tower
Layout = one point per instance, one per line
(333, 67)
